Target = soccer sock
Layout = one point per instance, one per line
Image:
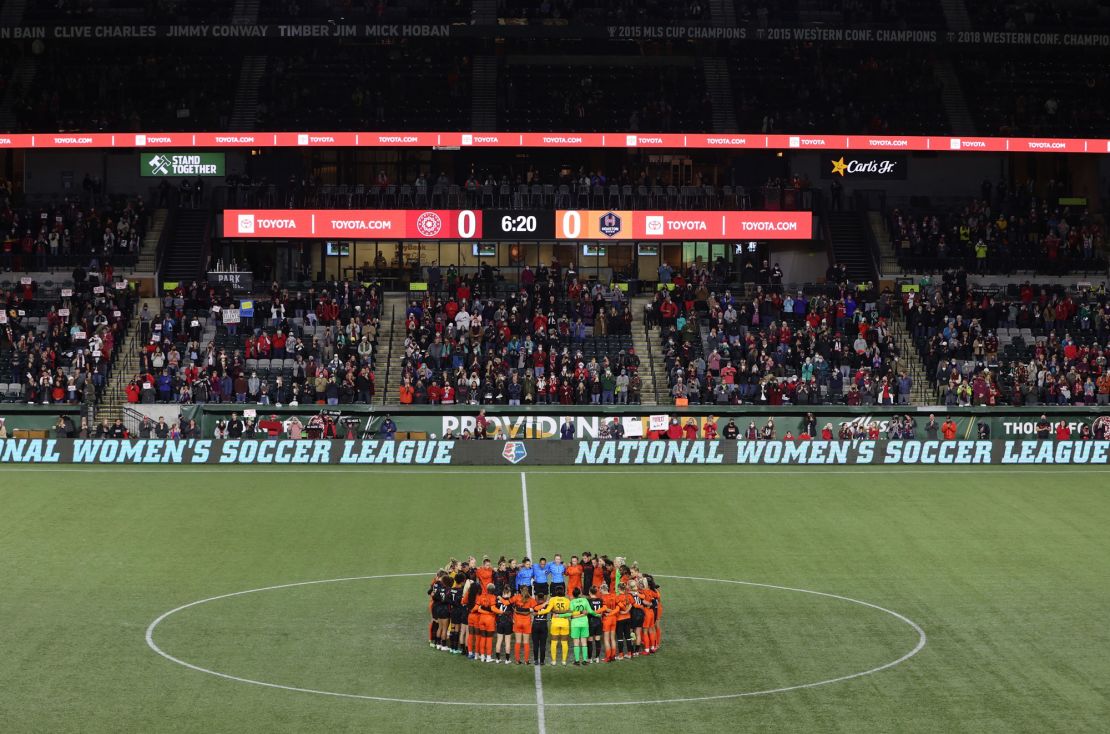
(563, 644)
(455, 640)
(578, 650)
(554, 645)
(527, 651)
(516, 651)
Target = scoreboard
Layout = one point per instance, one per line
(516, 224)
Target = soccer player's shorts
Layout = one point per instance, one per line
(474, 619)
(595, 625)
(441, 611)
(505, 625)
(579, 629)
(560, 626)
(637, 617)
(609, 624)
(487, 622)
(458, 615)
(522, 624)
(649, 619)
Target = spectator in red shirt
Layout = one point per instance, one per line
(690, 430)
(1063, 432)
(278, 344)
(674, 431)
(272, 426)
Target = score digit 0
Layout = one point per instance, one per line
(468, 224)
(570, 225)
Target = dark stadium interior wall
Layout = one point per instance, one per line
(49, 172)
(953, 175)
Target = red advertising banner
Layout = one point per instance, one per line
(757, 141)
(572, 224)
(412, 224)
(466, 224)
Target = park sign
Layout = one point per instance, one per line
(162, 164)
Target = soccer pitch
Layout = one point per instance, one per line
(882, 599)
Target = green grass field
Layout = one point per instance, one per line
(1006, 571)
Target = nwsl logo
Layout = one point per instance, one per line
(514, 452)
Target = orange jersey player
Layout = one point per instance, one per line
(625, 639)
(522, 605)
(574, 575)
(609, 612)
(487, 621)
(484, 573)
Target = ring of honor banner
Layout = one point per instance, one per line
(546, 453)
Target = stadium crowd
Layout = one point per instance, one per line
(1005, 229)
(295, 347)
(778, 347)
(88, 229)
(57, 345)
(556, 340)
(1024, 345)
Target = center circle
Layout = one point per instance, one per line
(667, 603)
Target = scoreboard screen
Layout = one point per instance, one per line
(515, 225)
(518, 224)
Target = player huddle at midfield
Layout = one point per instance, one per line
(602, 609)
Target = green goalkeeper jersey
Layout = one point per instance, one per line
(579, 607)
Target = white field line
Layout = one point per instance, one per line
(541, 717)
(693, 699)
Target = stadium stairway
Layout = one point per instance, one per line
(11, 13)
(849, 245)
(245, 12)
(723, 13)
(19, 83)
(183, 261)
(718, 82)
(956, 16)
(888, 259)
(126, 365)
(647, 344)
(483, 12)
(483, 104)
(909, 361)
(391, 347)
(245, 110)
(148, 251)
(952, 95)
